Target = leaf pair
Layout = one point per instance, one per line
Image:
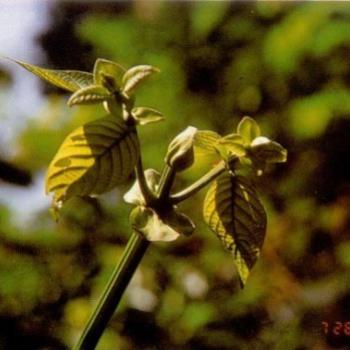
(247, 144)
(231, 145)
(109, 80)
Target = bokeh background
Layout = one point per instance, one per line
(285, 64)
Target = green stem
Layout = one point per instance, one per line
(145, 190)
(133, 253)
(165, 183)
(199, 184)
(147, 194)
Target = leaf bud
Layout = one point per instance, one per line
(180, 155)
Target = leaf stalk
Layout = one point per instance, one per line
(199, 184)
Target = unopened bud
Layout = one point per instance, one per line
(180, 154)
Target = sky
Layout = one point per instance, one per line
(20, 23)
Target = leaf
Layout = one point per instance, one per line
(206, 140)
(265, 150)
(108, 72)
(93, 159)
(249, 129)
(144, 115)
(71, 80)
(135, 75)
(166, 227)
(233, 211)
(89, 95)
(231, 145)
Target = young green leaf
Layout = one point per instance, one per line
(93, 159)
(233, 211)
(144, 115)
(89, 95)
(265, 150)
(206, 140)
(231, 145)
(71, 80)
(136, 75)
(249, 129)
(108, 74)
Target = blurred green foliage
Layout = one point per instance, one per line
(284, 64)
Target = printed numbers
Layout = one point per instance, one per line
(336, 328)
(347, 328)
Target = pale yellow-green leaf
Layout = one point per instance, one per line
(93, 159)
(108, 73)
(71, 80)
(231, 145)
(145, 115)
(136, 75)
(234, 212)
(249, 129)
(89, 95)
(205, 140)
